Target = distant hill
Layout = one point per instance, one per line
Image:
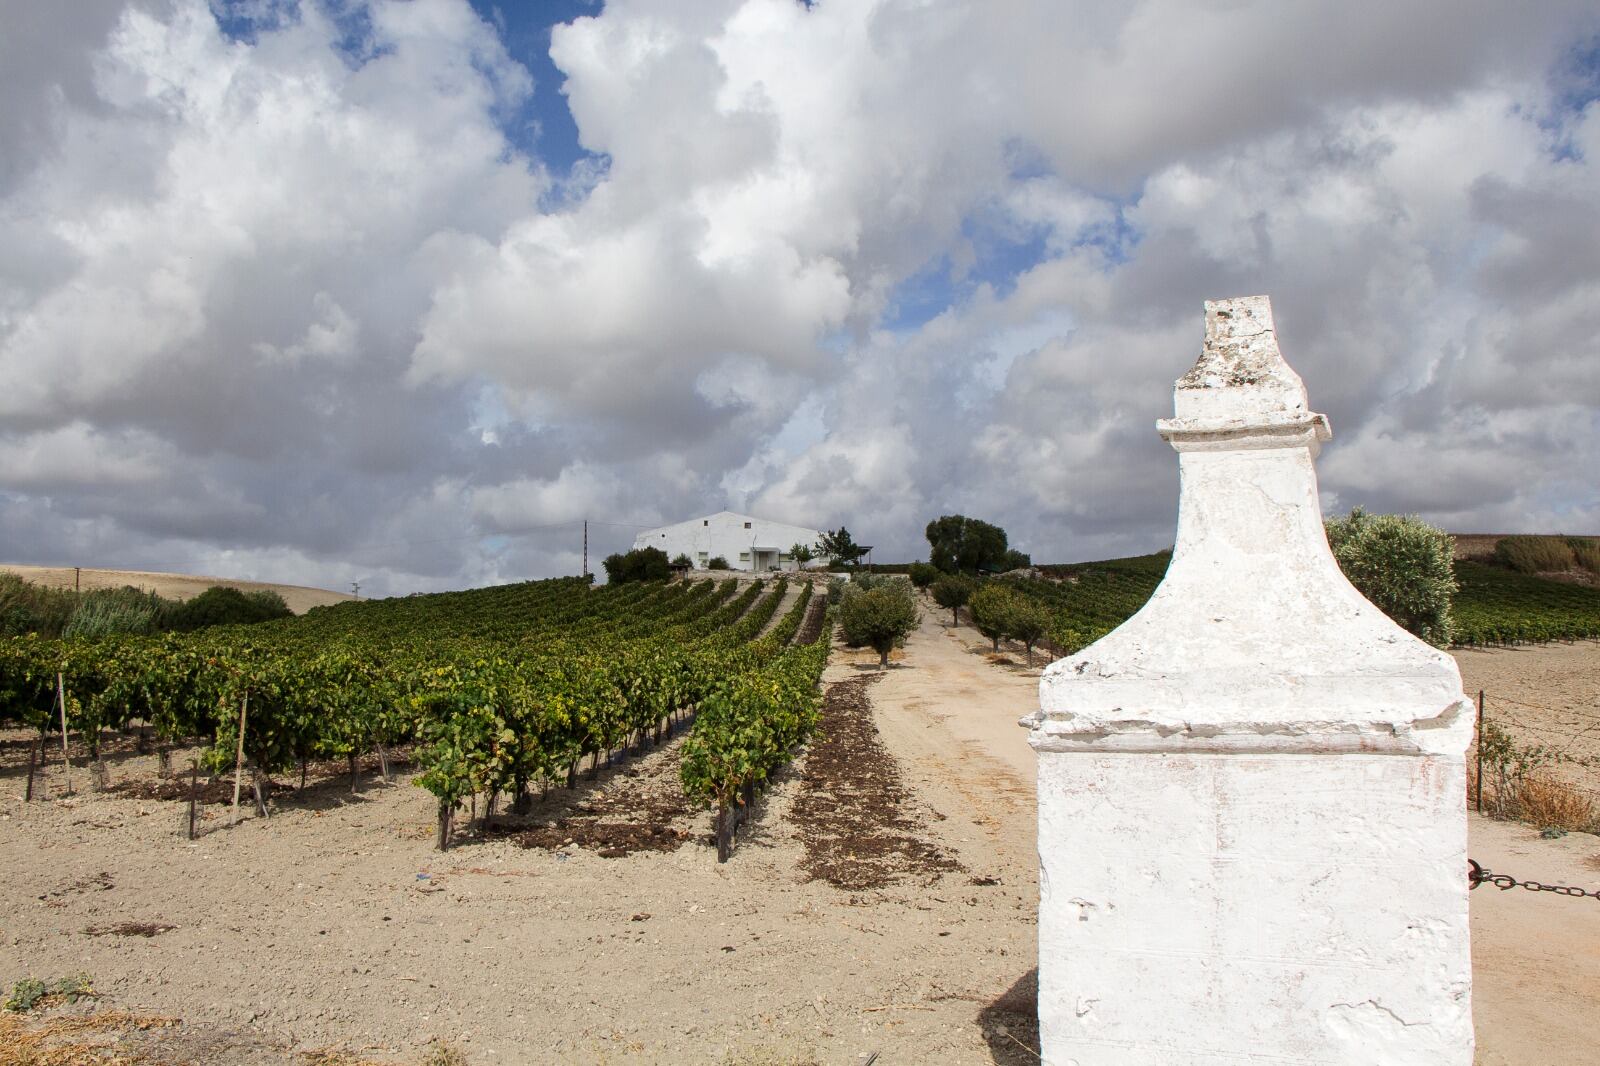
(300, 598)
(1480, 546)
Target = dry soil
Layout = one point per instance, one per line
(882, 900)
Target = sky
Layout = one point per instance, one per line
(399, 292)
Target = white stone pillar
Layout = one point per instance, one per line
(1252, 795)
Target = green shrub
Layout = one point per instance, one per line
(101, 615)
(717, 562)
(682, 559)
(923, 574)
(640, 564)
(1532, 555)
(878, 617)
(1403, 565)
(30, 991)
(1586, 553)
(223, 605)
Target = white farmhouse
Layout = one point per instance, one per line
(747, 543)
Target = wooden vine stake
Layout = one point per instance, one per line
(194, 796)
(238, 761)
(61, 697)
(33, 761)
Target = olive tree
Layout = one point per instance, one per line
(952, 592)
(1403, 565)
(991, 611)
(878, 618)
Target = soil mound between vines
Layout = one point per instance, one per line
(858, 819)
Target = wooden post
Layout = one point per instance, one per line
(238, 759)
(383, 763)
(1480, 752)
(33, 760)
(353, 789)
(61, 697)
(194, 796)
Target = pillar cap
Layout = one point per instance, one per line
(1254, 641)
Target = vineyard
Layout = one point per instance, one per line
(497, 691)
(1493, 606)
(1498, 606)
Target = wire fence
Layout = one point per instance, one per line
(1564, 740)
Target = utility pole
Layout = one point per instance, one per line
(585, 547)
(77, 579)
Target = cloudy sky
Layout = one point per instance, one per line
(401, 291)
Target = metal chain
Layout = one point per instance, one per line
(1477, 875)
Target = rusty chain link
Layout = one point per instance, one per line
(1477, 875)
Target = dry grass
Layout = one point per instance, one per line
(90, 1040)
(1539, 799)
(1547, 801)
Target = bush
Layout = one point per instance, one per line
(1533, 555)
(923, 574)
(878, 617)
(101, 616)
(29, 608)
(682, 559)
(1403, 565)
(1586, 553)
(1015, 560)
(640, 564)
(717, 563)
(223, 605)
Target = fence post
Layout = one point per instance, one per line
(1478, 744)
(1252, 795)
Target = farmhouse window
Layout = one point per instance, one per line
(747, 525)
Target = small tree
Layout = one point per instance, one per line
(802, 555)
(952, 592)
(924, 574)
(682, 559)
(717, 562)
(879, 618)
(1015, 560)
(1403, 565)
(991, 611)
(1028, 621)
(839, 544)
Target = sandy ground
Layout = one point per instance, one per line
(300, 598)
(1543, 693)
(334, 923)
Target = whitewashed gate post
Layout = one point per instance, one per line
(1252, 795)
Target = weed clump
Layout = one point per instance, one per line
(30, 992)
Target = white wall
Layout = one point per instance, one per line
(747, 542)
(1252, 794)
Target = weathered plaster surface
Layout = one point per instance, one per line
(1252, 794)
